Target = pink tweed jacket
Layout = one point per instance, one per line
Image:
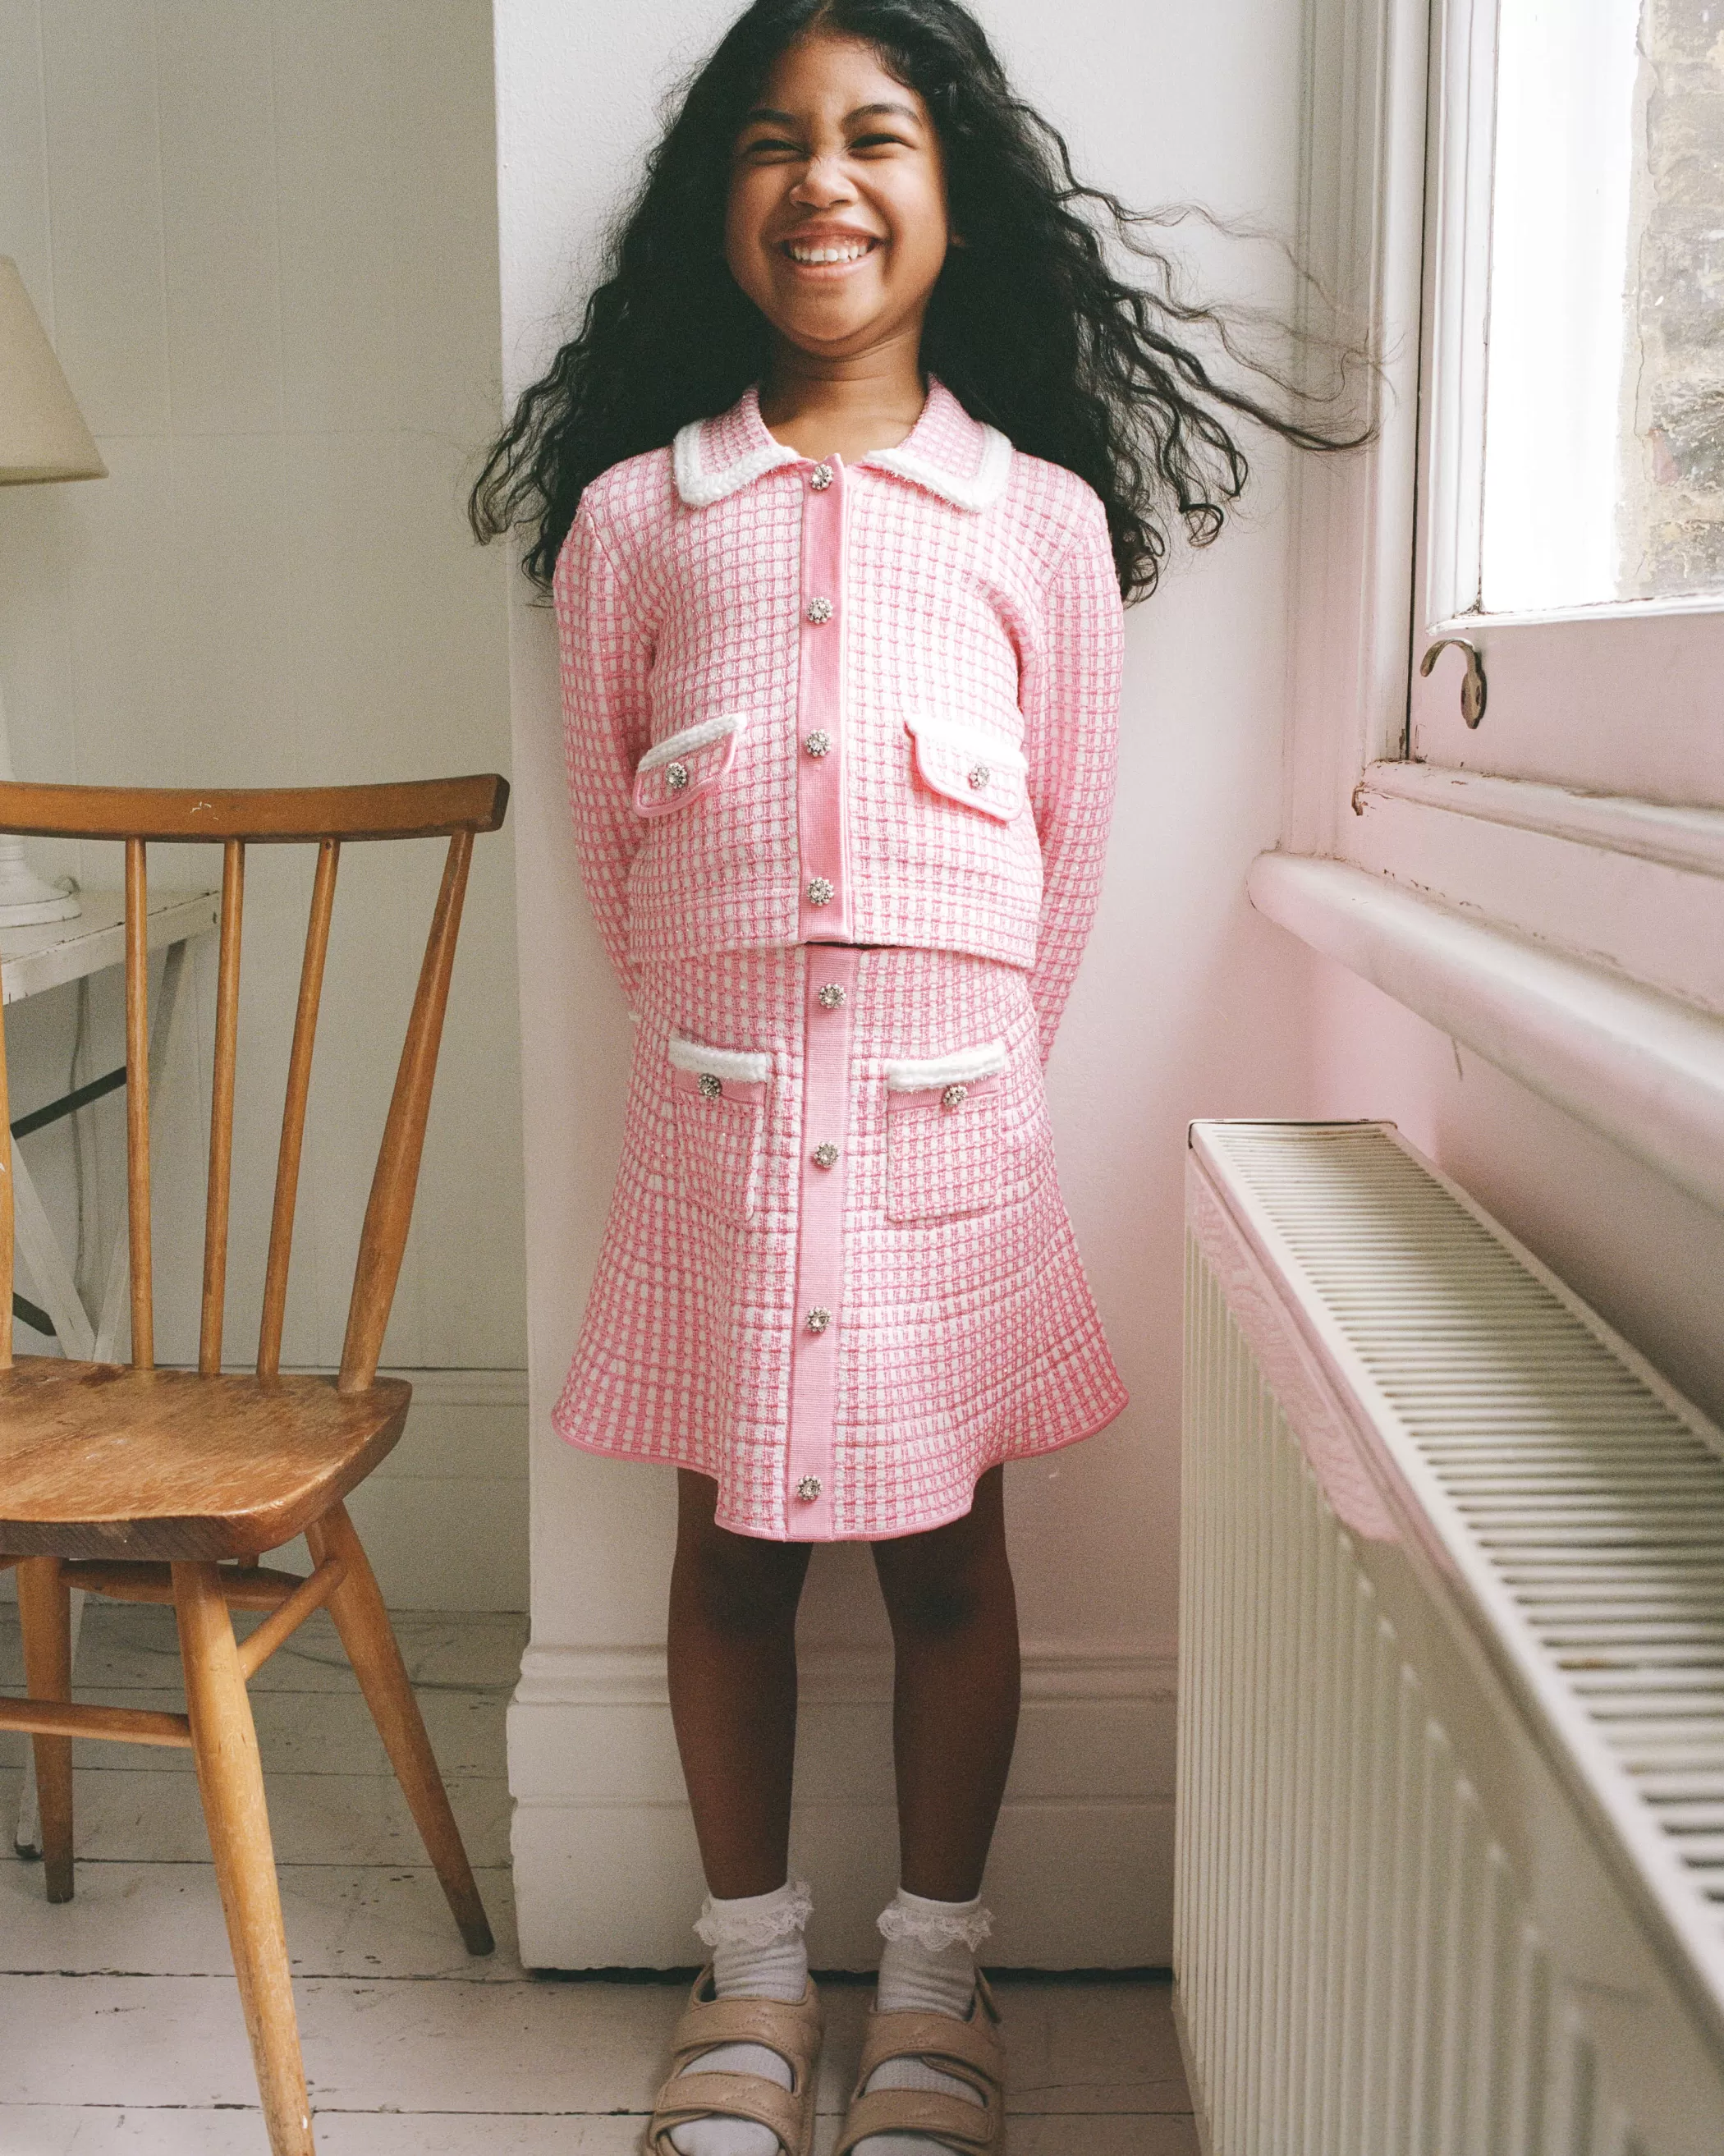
(871, 704)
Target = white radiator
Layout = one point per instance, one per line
(1451, 1702)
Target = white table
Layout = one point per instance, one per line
(33, 960)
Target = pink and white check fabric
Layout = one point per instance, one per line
(840, 745)
(961, 1335)
(973, 597)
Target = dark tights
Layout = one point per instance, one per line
(732, 1658)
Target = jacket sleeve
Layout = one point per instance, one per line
(1071, 702)
(606, 664)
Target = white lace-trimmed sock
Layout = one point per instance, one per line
(928, 1966)
(758, 1953)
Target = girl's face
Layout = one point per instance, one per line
(837, 224)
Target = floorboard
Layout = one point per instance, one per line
(126, 1995)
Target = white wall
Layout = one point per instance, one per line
(262, 235)
(1187, 1005)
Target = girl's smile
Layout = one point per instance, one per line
(831, 250)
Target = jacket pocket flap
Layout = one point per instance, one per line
(982, 772)
(684, 766)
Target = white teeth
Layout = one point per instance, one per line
(851, 250)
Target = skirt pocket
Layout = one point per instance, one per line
(719, 1105)
(943, 1134)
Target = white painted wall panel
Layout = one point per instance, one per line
(100, 95)
(215, 95)
(23, 150)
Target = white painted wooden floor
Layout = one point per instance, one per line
(120, 2027)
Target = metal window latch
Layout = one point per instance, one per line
(1472, 687)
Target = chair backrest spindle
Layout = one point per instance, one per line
(293, 1114)
(218, 1193)
(389, 1213)
(137, 1104)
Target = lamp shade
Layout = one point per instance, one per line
(42, 435)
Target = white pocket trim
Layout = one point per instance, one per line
(986, 748)
(691, 740)
(962, 1067)
(740, 1065)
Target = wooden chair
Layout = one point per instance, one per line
(167, 1486)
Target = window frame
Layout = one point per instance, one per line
(1567, 684)
(1610, 885)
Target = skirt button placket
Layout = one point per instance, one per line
(828, 998)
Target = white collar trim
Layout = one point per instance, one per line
(980, 490)
(699, 488)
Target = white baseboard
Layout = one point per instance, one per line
(444, 1519)
(606, 1873)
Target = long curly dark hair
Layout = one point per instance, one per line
(1028, 324)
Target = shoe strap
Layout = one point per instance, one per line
(687, 2098)
(971, 2047)
(968, 2129)
(792, 2032)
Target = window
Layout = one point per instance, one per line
(1525, 198)
(1572, 522)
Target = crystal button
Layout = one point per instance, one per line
(820, 891)
(818, 1319)
(808, 1488)
(818, 742)
(676, 777)
(831, 997)
(954, 1097)
(826, 1156)
(980, 776)
(708, 1087)
(820, 611)
(820, 478)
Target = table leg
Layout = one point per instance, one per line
(45, 1262)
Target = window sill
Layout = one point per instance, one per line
(1640, 1067)
(1633, 887)
(1691, 839)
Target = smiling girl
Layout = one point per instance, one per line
(839, 489)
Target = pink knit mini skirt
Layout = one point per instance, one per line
(838, 1276)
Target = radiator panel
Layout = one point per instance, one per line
(1450, 1698)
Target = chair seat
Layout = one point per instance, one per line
(100, 1461)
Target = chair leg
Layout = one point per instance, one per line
(27, 1829)
(230, 1781)
(358, 1607)
(45, 1614)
